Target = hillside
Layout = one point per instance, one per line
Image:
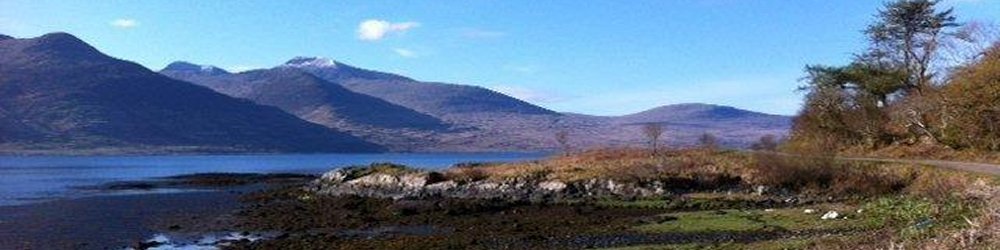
(480, 119)
(446, 101)
(59, 93)
(494, 121)
(686, 122)
(318, 101)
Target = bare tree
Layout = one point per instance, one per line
(562, 137)
(708, 141)
(653, 132)
(970, 43)
(766, 143)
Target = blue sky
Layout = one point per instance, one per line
(593, 57)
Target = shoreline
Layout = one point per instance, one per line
(199, 152)
(108, 221)
(678, 200)
(115, 220)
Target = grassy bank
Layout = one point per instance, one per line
(715, 199)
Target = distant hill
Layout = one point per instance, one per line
(734, 127)
(447, 101)
(306, 96)
(698, 113)
(319, 101)
(480, 119)
(59, 93)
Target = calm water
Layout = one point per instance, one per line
(25, 179)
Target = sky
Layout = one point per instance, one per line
(591, 57)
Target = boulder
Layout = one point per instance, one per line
(552, 186)
(375, 180)
(830, 215)
(334, 177)
(415, 184)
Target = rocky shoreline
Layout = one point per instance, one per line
(398, 182)
(389, 206)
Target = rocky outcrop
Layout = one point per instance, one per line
(420, 184)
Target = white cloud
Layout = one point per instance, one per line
(405, 52)
(528, 95)
(125, 23)
(375, 29)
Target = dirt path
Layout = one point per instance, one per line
(984, 168)
(976, 167)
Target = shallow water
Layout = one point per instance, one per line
(26, 179)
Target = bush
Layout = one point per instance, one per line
(465, 174)
(822, 175)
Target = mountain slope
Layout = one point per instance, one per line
(58, 93)
(685, 123)
(319, 101)
(490, 121)
(695, 113)
(307, 96)
(446, 101)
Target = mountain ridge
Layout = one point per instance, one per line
(442, 100)
(497, 127)
(319, 101)
(59, 93)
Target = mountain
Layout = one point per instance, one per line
(480, 119)
(734, 127)
(704, 113)
(305, 95)
(318, 101)
(447, 101)
(186, 69)
(59, 93)
(483, 119)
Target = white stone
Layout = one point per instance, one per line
(442, 186)
(760, 190)
(375, 180)
(809, 211)
(830, 215)
(414, 181)
(552, 186)
(486, 185)
(335, 176)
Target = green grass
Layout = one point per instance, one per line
(919, 218)
(791, 219)
(763, 245)
(649, 203)
(354, 172)
(693, 201)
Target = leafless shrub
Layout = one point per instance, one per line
(653, 132)
(708, 141)
(562, 137)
